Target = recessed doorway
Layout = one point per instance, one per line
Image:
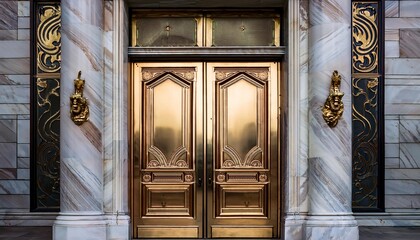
(204, 147)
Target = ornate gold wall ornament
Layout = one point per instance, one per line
(365, 38)
(367, 105)
(333, 106)
(79, 109)
(45, 86)
(48, 43)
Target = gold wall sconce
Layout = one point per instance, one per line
(333, 107)
(79, 109)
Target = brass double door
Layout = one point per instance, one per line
(205, 150)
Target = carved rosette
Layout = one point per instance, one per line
(221, 177)
(188, 178)
(262, 177)
(147, 177)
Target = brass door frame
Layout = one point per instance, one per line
(204, 143)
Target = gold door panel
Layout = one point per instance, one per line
(165, 144)
(242, 110)
(204, 169)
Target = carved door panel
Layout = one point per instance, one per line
(242, 135)
(167, 142)
(204, 150)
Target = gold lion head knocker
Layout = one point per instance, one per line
(333, 106)
(79, 109)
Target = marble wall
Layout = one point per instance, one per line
(14, 106)
(402, 106)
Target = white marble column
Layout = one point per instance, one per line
(81, 166)
(330, 160)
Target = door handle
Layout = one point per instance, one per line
(209, 181)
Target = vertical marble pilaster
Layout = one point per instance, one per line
(81, 170)
(330, 163)
(296, 201)
(115, 120)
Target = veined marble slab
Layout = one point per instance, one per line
(23, 150)
(402, 99)
(410, 42)
(14, 66)
(392, 162)
(14, 187)
(391, 150)
(392, 131)
(391, 9)
(392, 34)
(402, 66)
(14, 79)
(8, 34)
(410, 8)
(7, 130)
(24, 8)
(14, 49)
(407, 174)
(23, 162)
(14, 94)
(402, 186)
(23, 174)
(410, 131)
(14, 202)
(410, 155)
(402, 201)
(9, 10)
(7, 155)
(392, 49)
(8, 173)
(398, 23)
(23, 22)
(23, 135)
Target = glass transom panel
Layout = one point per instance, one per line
(206, 30)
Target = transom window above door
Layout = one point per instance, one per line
(205, 29)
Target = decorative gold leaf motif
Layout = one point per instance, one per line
(366, 77)
(49, 39)
(365, 38)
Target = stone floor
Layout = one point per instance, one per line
(366, 233)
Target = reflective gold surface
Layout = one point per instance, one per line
(79, 108)
(227, 186)
(48, 34)
(242, 232)
(365, 37)
(167, 143)
(333, 106)
(242, 135)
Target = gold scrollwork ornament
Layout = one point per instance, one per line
(79, 109)
(333, 106)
